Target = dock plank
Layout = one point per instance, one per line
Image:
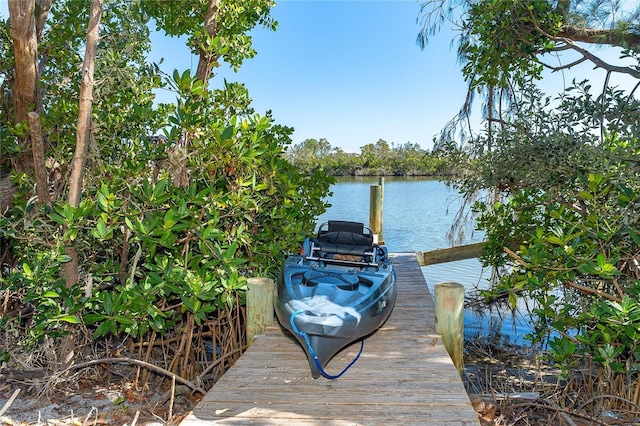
(403, 377)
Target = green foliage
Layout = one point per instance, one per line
(36, 278)
(234, 21)
(169, 228)
(123, 93)
(242, 211)
(374, 159)
(549, 144)
(561, 175)
(570, 224)
(502, 39)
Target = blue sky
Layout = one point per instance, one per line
(346, 71)
(350, 71)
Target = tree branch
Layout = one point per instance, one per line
(83, 132)
(563, 67)
(559, 410)
(136, 362)
(602, 64)
(599, 63)
(571, 34)
(41, 12)
(593, 291)
(219, 361)
(600, 36)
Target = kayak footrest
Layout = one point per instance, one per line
(346, 249)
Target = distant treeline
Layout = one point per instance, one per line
(379, 159)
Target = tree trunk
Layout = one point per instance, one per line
(25, 87)
(83, 133)
(37, 146)
(206, 60)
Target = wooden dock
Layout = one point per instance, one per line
(404, 375)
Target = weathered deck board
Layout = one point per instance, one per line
(404, 376)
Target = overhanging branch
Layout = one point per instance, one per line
(600, 36)
(570, 35)
(599, 63)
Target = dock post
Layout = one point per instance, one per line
(375, 208)
(260, 294)
(449, 321)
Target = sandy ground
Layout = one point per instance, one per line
(97, 406)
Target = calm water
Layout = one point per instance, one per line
(417, 216)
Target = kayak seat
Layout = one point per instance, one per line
(342, 237)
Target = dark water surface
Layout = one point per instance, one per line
(417, 215)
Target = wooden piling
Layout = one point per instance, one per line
(260, 295)
(375, 210)
(449, 319)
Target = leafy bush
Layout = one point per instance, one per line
(568, 228)
(171, 230)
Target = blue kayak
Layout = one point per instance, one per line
(338, 290)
